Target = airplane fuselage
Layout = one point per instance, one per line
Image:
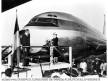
(70, 30)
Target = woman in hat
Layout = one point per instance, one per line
(55, 44)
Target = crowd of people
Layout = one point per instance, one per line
(90, 66)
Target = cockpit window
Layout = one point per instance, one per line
(33, 20)
(43, 22)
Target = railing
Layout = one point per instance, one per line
(6, 50)
(51, 48)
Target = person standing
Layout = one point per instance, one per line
(96, 66)
(103, 68)
(55, 43)
(25, 41)
(83, 66)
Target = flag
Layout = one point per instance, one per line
(15, 57)
(16, 26)
(16, 53)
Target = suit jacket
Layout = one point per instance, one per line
(25, 40)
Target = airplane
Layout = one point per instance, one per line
(72, 31)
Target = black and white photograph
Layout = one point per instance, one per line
(53, 39)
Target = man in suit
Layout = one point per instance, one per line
(25, 41)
